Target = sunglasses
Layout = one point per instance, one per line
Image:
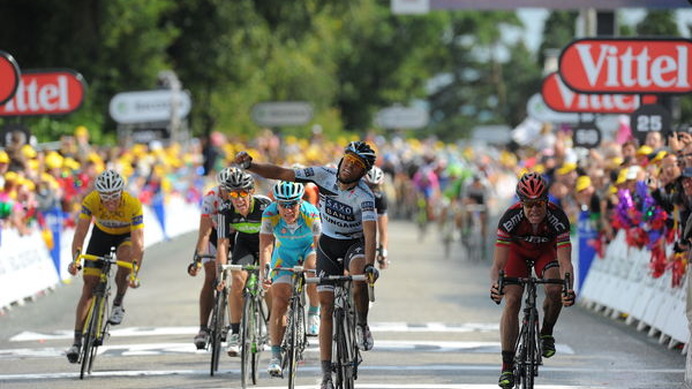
(238, 194)
(350, 158)
(287, 204)
(110, 196)
(533, 203)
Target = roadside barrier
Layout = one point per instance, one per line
(27, 268)
(620, 286)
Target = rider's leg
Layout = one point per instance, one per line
(552, 305)
(206, 295)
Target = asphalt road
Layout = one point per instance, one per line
(433, 323)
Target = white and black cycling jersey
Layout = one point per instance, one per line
(342, 211)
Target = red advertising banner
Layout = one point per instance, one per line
(644, 65)
(560, 98)
(51, 92)
(9, 76)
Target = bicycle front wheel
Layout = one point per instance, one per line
(218, 329)
(91, 334)
(293, 340)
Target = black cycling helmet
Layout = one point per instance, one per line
(363, 151)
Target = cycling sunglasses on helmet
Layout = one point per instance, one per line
(238, 194)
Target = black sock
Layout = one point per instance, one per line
(326, 369)
(118, 300)
(507, 360)
(235, 328)
(77, 337)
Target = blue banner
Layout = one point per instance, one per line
(587, 233)
(158, 205)
(54, 222)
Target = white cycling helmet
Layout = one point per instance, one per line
(238, 179)
(223, 175)
(288, 191)
(109, 181)
(375, 176)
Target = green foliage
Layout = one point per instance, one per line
(349, 59)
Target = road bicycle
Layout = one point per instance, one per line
(96, 325)
(528, 356)
(448, 226)
(218, 320)
(345, 353)
(253, 325)
(295, 339)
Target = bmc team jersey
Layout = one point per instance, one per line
(245, 228)
(126, 218)
(293, 241)
(380, 202)
(342, 211)
(514, 228)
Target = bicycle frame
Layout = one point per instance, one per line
(528, 351)
(295, 339)
(95, 328)
(345, 355)
(253, 327)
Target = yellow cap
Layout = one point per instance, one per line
(659, 156)
(4, 158)
(645, 150)
(583, 182)
(622, 176)
(54, 160)
(81, 131)
(28, 151)
(567, 168)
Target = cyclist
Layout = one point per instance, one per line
(375, 179)
(475, 194)
(118, 222)
(239, 220)
(538, 229)
(206, 243)
(349, 224)
(295, 226)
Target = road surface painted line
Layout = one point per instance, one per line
(389, 327)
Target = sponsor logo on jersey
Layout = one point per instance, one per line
(308, 172)
(556, 223)
(536, 239)
(512, 222)
(338, 210)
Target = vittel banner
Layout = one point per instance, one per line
(627, 65)
(53, 92)
(9, 76)
(560, 98)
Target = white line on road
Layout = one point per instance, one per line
(146, 349)
(160, 331)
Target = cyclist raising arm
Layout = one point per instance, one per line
(206, 243)
(295, 224)
(349, 225)
(118, 222)
(240, 220)
(531, 228)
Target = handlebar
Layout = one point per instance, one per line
(111, 259)
(502, 281)
(342, 279)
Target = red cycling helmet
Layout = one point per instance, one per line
(532, 186)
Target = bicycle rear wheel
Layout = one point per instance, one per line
(218, 329)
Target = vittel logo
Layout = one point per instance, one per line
(51, 93)
(627, 66)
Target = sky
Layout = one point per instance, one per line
(534, 18)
